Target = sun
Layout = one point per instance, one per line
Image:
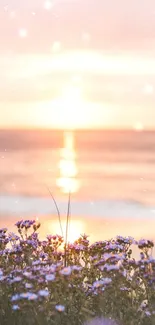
(70, 109)
(70, 94)
(76, 228)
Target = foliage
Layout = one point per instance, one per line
(45, 282)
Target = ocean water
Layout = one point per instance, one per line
(110, 175)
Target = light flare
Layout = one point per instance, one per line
(23, 32)
(76, 228)
(48, 4)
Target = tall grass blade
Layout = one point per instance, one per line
(58, 212)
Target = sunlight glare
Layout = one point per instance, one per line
(72, 94)
(48, 4)
(56, 47)
(148, 89)
(138, 127)
(68, 170)
(76, 228)
(70, 109)
(23, 32)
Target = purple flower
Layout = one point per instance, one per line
(43, 293)
(28, 285)
(50, 277)
(49, 237)
(15, 307)
(111, 267)
(15, 297)
(37, 262)
(32, 296)
(60, 308)
(27, 274)
(32, 243)
(43, 255)
(98, 284)
(106, 280)
(145, 243)
(76, 268)
(29, 296)
(3, 231)
(66, 271)
(2, 278)
(147, 313)
(27, 223)
(19, 223)
(16, 279)
(13, 237)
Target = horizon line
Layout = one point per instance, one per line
(114, 129)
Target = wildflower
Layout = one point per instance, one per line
(34, 236)
(3, 231)
(106, 280)
(37, 262)
(60, 308)
(25, 295)
(29, 296)
(28, 285)
(114, 246)
(125, 240)
(32, 243)
(43, 255)
(66, 271)
(147, 313)
(97, 284)
(27, 224)
(15, 297)
(107, 256)
(32, 296)
(111, 267)
(50, 237)
(52, 268)
(15, 307)
(144, 304)
(43, 293)
(19, 223)
(27, 274)
(13, 237)
(17, 279)
(143, 243)
(50, 277)
(103, 281)
(76, 268)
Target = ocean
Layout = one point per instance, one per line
(110, 176)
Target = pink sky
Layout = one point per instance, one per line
(105, 48)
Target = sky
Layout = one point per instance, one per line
(77, 64)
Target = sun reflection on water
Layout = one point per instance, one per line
(68, 170)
